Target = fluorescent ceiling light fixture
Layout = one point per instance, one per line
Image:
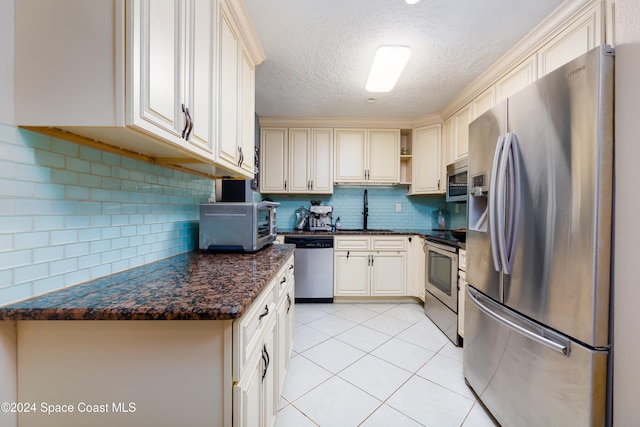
(387, 67)
(411, 1)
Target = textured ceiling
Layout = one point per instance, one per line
(318, 52)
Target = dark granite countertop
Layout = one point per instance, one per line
(191, 286)
(435, 235)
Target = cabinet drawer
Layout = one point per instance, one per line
(249, 329)
(284, 277)
(389, 243)
(351, 243)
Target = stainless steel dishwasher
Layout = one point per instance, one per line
(314, 267)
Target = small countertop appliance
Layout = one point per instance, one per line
(320, 218)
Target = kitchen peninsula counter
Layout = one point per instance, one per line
(202, 323)
(191, 286)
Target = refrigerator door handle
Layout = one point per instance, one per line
(515, 167)
(535, 333)
(493, 208)
(508, 226)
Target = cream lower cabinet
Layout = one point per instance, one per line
(370, 266)
(262, 340)
(255, 399)
(417, 251)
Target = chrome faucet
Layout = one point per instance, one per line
(366, 210)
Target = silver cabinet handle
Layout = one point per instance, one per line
(190, 124)
(186, 121)
(289, 301)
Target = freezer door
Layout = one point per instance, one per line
(527, 375)
(560, 275)
(484, 134)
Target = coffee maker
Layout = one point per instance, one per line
(320, 218)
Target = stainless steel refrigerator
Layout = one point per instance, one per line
(537, 340)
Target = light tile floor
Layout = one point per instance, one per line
(374, 365)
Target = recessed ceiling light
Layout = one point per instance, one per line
(371, 100)
(387, 66)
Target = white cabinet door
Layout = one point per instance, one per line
(461, 122)
(247, 114)
(447, 151)
(322, 161)
(271, 394)
(428, 161)
(255, 395)
(248, 394)
(159, 64)
(483, 102)
(418, 255)
(384, 155)
(584, 34)
(389, 273)
(518, 78)
(200, 19)
(352, 273)
(350, 163)
(273, 160)
(367, 155)
(228, 142)
(299, 160)
(462, 290)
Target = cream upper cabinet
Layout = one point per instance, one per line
(310, 160)
(518, 78)
(427, 161)
(460, 141)
(147, 77)
(299, 160)
(447, 147)
(229, 69)
(483, 102)
(367, 155)
(273, 160)
(384, 155)
(160, 67)
(350, 155)
(321, 161)
(296, 160)
(247, 113)
(584, 34)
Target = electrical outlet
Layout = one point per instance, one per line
(398, 207)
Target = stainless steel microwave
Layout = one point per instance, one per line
(457, 176)
(238, 227)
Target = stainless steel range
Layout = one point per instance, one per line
(441, 287)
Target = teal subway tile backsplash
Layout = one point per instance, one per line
(70, 213)
(415, 211)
